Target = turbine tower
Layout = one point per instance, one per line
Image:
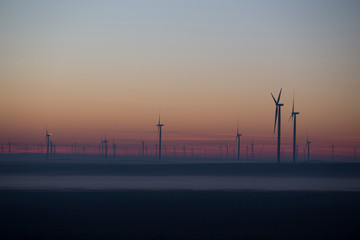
(106, 148)
(278, 116)
(48, 135)
(238, 135)
(293, 117)
(159, 125)
(114, 147)
(308, 148)
(143, 148)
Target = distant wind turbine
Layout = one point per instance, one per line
(143, 148)
(278, 116)
(308, 148)
(114, 148)
(106, 148)
(227, 151)
(293, 117)
(159, 125)
(48, 135)
(238, 135)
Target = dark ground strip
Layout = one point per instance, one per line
(179, 215)
(346, 170)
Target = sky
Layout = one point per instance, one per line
(86, 69)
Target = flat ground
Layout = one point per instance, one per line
(179, 215)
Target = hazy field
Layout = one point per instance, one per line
(93, 199)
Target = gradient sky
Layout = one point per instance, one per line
(86, 68)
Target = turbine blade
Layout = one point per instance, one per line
(273, 98)
(291, 117)
(279, 96)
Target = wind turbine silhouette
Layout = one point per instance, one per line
(159, 125)
(238, 135)
(143, 147)
(293, 117)
(114, 147)
(48, 135)
(227, 151)
(278, 115)
(106, 148)
(308, 147)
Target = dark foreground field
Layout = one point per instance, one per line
(179, 215)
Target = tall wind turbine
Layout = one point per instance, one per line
(293, 117)
(159, 125)
(278, 116)
(238, 135)
(48, 135)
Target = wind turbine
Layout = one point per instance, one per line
(114, 147)
(238, 135)
(48, 135)
(106, 149)
(227, 151)
(308, 147)
(278, 115)
(293, 117)
(51, 147)
(143, 148)
(159, 125)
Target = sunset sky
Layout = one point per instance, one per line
(84, 69)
